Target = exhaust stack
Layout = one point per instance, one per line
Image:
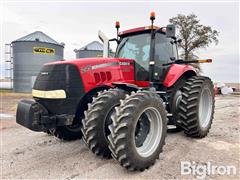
(105, 41)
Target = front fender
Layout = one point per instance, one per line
(176, 71)
(126, 86)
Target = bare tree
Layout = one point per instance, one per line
(193, 34)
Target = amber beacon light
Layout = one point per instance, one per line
(152, 15)
(117, 24)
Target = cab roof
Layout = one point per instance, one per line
(139, 29)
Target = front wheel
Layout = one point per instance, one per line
(67, 133)
(97, 118)
(138, 130)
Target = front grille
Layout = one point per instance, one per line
(60, 76)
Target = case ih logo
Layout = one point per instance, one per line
(86, 68)
(44, 73)
(43, 50)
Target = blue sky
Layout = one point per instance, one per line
(77, 23)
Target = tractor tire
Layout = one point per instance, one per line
(197, 106)
(97, 118)
(138, 130)
(67, 133)
(174, 98)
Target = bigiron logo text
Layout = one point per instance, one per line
(202, 170)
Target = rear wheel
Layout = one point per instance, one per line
(197, 106)
(138, 130)
(97, 118)
(174, 99)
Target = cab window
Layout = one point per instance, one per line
(164, 49)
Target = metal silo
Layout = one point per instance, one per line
(29, 54)
(93, 49)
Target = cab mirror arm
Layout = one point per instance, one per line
(114, 39)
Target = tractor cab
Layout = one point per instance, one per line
(145, 45)
(150, 47)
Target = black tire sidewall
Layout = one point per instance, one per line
(115, 101)
(95, 124)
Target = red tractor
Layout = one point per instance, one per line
(121, 106)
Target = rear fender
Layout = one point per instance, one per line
(176, 71)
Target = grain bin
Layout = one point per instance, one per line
(93, 49)
(29, 54)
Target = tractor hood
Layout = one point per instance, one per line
(93, 72)
(94, 63)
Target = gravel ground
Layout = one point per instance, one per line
(31, 155)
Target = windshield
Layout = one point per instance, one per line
(135, 47)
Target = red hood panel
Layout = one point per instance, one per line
(96, 72)
(91, 61)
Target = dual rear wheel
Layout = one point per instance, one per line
(191, 102)
(196, 108)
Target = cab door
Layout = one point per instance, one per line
(165, 52)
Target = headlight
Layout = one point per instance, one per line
(54, 94)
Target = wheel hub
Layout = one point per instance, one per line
(142, 130)
(177, 99)
(205, 108)
(148, 138)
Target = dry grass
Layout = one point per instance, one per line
(12, 94)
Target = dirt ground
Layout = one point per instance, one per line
(32, 155)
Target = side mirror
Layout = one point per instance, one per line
(105, 41)
(170, 31)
